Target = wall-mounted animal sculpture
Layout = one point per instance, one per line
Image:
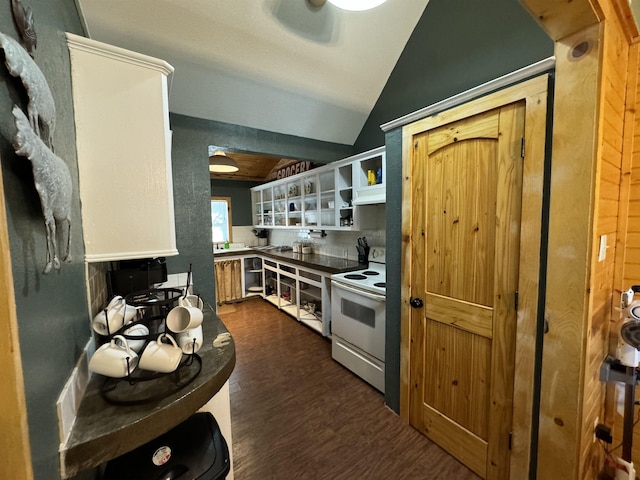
(41, 107)
(53, 184)
(23, 17)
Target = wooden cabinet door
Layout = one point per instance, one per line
(468, 177)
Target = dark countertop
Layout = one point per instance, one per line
(323, 263)
(103, 431)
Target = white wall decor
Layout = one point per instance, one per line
(53, 184)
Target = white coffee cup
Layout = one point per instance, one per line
(161, 357)
(190, 341)
(115, 316)
(182, 318)
(137, 330)
(110, 359)
(191, 301)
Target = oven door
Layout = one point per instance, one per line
(358, 317)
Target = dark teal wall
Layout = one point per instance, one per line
(193, 189)
(51, 309)
(456, 45)
(240, 199)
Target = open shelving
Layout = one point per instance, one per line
(327, 197)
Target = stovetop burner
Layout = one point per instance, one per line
(371, 278)
(355, 276)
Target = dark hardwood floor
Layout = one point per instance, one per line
(298, 414)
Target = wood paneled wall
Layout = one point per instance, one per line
(583, 329)
(627, 271)
(631, 273)
(611, 129)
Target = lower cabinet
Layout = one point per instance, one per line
(228, 280)
(252, 276)
(300, 292)
(238, 277)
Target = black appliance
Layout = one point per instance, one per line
(127, 276)
(195, 449)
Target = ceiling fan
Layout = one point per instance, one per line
(352, 5)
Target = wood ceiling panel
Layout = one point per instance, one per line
(253, 167)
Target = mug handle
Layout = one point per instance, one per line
(170, 337)
(124, 342)
(115, 301)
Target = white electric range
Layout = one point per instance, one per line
(358, 311)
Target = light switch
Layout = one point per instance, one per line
(602, 254)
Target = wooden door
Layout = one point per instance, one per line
(467, 196)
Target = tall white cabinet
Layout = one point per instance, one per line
(123, 139)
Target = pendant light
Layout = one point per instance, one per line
(220, 163)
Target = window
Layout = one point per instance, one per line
(221, 219)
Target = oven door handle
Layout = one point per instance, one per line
(372, 296)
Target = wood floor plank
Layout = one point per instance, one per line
(298, 414)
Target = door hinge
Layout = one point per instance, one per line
(515, 300)
(522, 147)
(510, 440)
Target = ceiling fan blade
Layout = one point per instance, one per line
(302, 18)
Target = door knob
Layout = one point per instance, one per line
(416, 302)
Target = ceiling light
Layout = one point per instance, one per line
(357, 5)
(220, 163)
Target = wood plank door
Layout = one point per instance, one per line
(466, 205)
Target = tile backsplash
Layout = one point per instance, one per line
(97, 286)
(244, 234)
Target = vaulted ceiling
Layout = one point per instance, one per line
(277, 65)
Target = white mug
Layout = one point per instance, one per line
(191, 301)
(138, 330)
(159, 356)
(190, 341)
(183, 318)
(117, 314)
(110, 359)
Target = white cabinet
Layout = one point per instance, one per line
(301, 292)
(123, 141)
(252, 275)
(369, 179)
(331, 197)
(238, 277)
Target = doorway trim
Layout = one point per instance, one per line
(534, 92)
(14, 441)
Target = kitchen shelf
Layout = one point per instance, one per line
(291, 310)
(273, 299)
(311, 192)
(313, 323)
(312, 291)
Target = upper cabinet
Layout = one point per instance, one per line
(120, 100)
(329, 197)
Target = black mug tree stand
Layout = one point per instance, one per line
(141, 386)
